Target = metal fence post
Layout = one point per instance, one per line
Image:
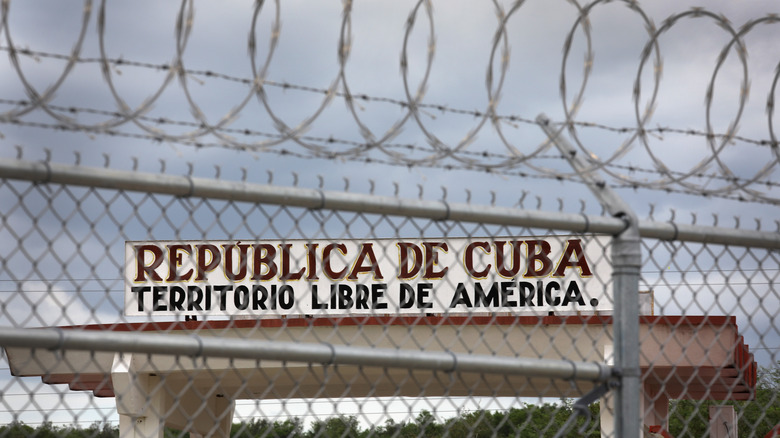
(626, 266)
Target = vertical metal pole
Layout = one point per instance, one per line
(626, 266)
(626, 262)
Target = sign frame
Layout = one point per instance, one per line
(318, 277)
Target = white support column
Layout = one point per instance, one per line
(607, 415)
(723, 422)
(201, 414)
(607, 403)
(655, 407)
(150, 426)
(139, 400)
(225, 408)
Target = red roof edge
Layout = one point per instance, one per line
(428, 320)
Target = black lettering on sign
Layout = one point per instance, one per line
(406, 296)
(241, 297)
(501, 294)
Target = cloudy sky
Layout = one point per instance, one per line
(461, 59)
(160, 85)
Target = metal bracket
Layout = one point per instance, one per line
(580, 407)
(606, 196)
(627, 264)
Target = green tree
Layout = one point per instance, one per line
(104, 430)
(16, 429)
(254, 428)
(388, 430)
(263, 428)
(690, 418)
(46, 430)
(95, 430)
(342, 426)
(288, 428)
(428, 426)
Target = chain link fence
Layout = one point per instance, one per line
(514, 371)
(201, 237)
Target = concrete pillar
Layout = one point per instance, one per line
(723, 422)
(140, 427)
(140, 400)
(655, 407)
(147, 403)
(607, 415)
(201, 414)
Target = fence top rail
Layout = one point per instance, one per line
(50, 172)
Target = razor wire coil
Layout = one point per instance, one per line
(202, 131)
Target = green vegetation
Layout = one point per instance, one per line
(690, 418)
(46, 430)
(531, 421)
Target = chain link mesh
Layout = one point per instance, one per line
(66, 269)
(93, 96)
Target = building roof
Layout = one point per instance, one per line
(691, 357)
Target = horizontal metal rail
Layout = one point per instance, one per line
(322, 353)
(48, 172)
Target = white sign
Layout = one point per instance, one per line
(516, 275)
